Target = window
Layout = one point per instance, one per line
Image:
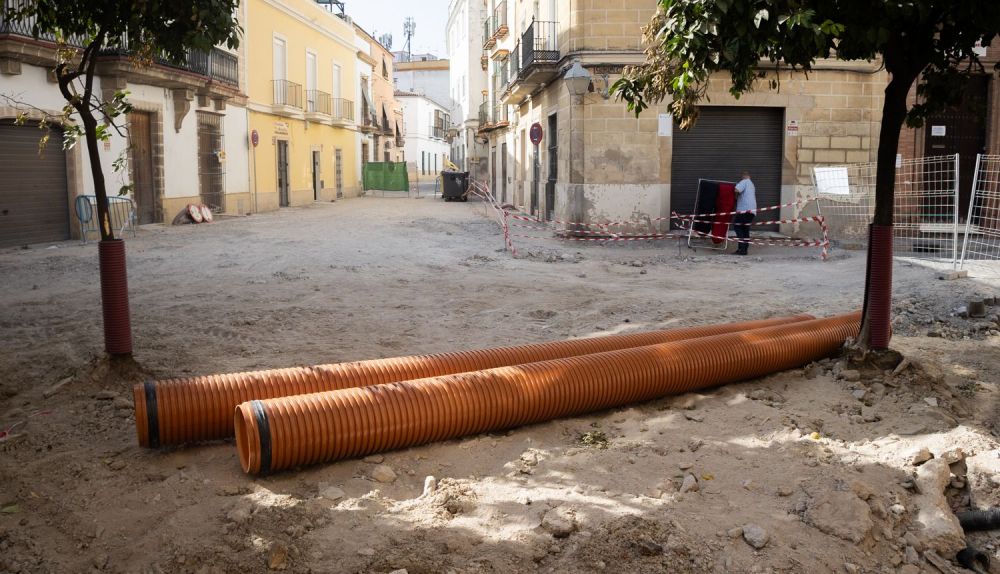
(279, 59)
(336, 81)
(385, 70)
(310, 81)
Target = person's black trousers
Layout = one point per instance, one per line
(742, 231)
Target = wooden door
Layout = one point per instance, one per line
(141, 141)
(283, 173)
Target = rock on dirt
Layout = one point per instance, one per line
(690, 484)
(382, 473)
(332, 493)
(755, 536)
(842, 514)
(921, 456)
(278, 559)
(560, 522)
(941, 531)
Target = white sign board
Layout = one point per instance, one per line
(792, 129)
(831, 180)
(937, 131)
(665, 127)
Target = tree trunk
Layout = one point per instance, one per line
(878, 293)
(97, 172)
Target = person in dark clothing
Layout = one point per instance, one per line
(746, 204)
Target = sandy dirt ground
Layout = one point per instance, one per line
(810, 470)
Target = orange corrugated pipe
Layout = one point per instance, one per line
(280, 433)
(201, 408)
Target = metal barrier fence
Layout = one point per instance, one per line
(981, 249)
(926, 213)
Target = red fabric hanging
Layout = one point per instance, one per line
(725, 202)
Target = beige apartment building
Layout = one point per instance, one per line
(381, 122)
(597, 162)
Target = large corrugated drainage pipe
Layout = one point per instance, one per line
(201, 408)
(280, 433)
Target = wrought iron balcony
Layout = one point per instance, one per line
(532, 63)
(287, 94)
(489, 40)
(484, 115)
(538, 44)
(500, 21)
(215, 64)
(343, 109)
(317, 102)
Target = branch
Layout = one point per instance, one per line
(88, 91)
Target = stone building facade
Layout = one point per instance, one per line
(597, 162)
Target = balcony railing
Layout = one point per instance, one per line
(512, 66)
(343, 109)
(287, 93)
(489, 39)
(500, 20)
(216, 64)
(484, 114)
(500, 117)
(538, 44)
(318, 102)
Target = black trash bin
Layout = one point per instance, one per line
(454, 185)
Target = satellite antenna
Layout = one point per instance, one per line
(409, 27)
(386, 40)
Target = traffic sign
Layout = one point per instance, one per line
(535, 133)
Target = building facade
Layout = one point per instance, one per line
(426, 77)
(467, 80)
(426, 124)
(186, 139)
(301, 103)
(382, 116)
(597, 162)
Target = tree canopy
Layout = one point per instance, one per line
(689, 40)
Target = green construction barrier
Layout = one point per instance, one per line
(386, 176)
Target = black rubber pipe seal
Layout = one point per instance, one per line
(152, 418)
(264, 434)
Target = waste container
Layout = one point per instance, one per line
(454, 185)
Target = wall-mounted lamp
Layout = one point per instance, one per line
(579, 81)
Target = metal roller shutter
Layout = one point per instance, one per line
(725, 141)
(34, 204)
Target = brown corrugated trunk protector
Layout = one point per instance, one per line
(201, 408)
(280, 433)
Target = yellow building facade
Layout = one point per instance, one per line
(302, 104)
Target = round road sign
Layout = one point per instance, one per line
(535, 133)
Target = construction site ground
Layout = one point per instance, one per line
(810, 470)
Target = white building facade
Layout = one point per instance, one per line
(426, 126)
(468, 85)
(186, 141)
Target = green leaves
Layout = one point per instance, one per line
(689, 41)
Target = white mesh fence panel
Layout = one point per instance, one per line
(925, 214)
(981, 249)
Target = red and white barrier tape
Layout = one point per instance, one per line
(481, 190)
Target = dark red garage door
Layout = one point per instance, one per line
(34, 204)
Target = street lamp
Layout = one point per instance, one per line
(577, 80)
